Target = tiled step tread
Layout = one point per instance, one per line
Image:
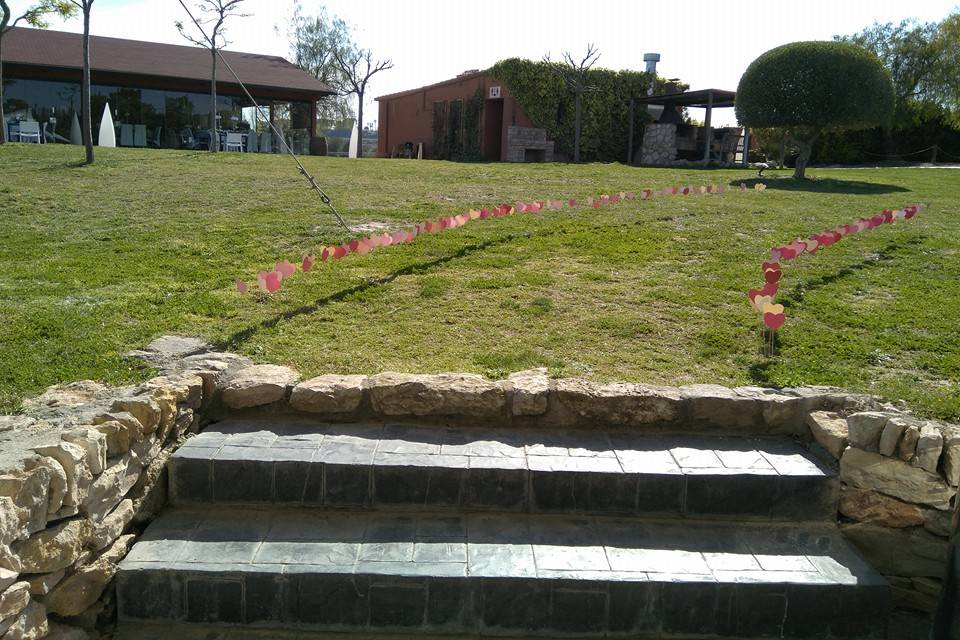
(362, 465)
(508, 573)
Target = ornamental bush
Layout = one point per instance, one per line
(549, 103)
(807, 88)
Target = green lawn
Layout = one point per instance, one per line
(95, 261)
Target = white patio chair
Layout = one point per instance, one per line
(29, 132)
(139, 135)
(234, 142)
(126, 135)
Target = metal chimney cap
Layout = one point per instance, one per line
(651, 57)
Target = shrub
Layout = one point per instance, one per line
(549, 103)
(808, 88)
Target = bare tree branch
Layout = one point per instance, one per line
(357, 80)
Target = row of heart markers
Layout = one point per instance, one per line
(270, 281)
(761, 299)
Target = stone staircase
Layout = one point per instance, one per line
(287, 527)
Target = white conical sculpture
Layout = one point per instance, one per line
(76, 137)
(354, 141)
(108, 137)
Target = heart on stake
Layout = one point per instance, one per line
(285, 269)
(241, 285)
(774, 320)
(307, 263)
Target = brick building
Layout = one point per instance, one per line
(503, 131)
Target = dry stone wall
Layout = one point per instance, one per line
(898, 490)
(83, 469)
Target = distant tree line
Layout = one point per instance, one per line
(923, 59)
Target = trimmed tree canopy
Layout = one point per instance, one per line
(806, 88)
(817, 86)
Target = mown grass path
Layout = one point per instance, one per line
(95, 261)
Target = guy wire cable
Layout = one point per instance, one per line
(303, 171)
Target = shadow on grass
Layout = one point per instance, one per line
(759, 371)
(822, 185)
(243, 335)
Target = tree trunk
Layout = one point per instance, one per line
(806, 148)
(360, 124)
(578, 102)
(214, 135)
(3, 119)
(85, 88)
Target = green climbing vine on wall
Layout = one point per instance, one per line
(456, 128)
(549, 104)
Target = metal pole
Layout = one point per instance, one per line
(708, 130)
(630, 136)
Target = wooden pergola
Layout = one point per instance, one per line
(708, 99)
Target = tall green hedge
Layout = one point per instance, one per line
(549, 103)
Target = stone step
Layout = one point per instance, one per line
(376, 466)
(498, 574)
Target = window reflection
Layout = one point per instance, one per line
(157, 118)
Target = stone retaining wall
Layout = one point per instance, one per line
(83, 469)
(659, 145)
(899, 479)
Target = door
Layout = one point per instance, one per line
(492, 129)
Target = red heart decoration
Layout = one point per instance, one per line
(307, 264)
(686, 190)
(753, 293)
(787, 253)
(572, 203)
(770, 265)
(774, 320)
(353, 244)
(339, 252)
(596, 204)
(241, 286)
(769, 289)
(614, 199)
(324, 254)
(410, 237)
(773, 275)
(484, 214)
(270, 281)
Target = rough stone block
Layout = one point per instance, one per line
(891, 434)
(721, 406)
(929, 447)
(530, 392)
(397, 394)
(111, 486)
(951, 454)
(579, 400)
(829, 430)
(258, 385)
(116, 436)
(866, 470)
(63, 632)
(863, 505)
(113, 525)
(14, 599)
(29, 493)
(143, 408)
(41, 584)
(865, 429)
(81, 590)
(94, 445)
(73, 459)
(7, 578)
(328, 394)
(30, 624)
(58, 487)
(55, 548)
(907, 448)
(899, 552)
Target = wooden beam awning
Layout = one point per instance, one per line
(699, 98)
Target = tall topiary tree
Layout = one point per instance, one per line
(807, 88)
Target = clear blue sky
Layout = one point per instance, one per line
(704, 43)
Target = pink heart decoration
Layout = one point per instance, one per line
(614, 199)
(410, 237)
(270, 281)
(353, 244)
(721, 189)
(775, 255)
(308, 262)
(399, 237)
(631, 195)
(774, 320)
(484, 214)
(285, 269)
(241, 286)
(364, 247)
